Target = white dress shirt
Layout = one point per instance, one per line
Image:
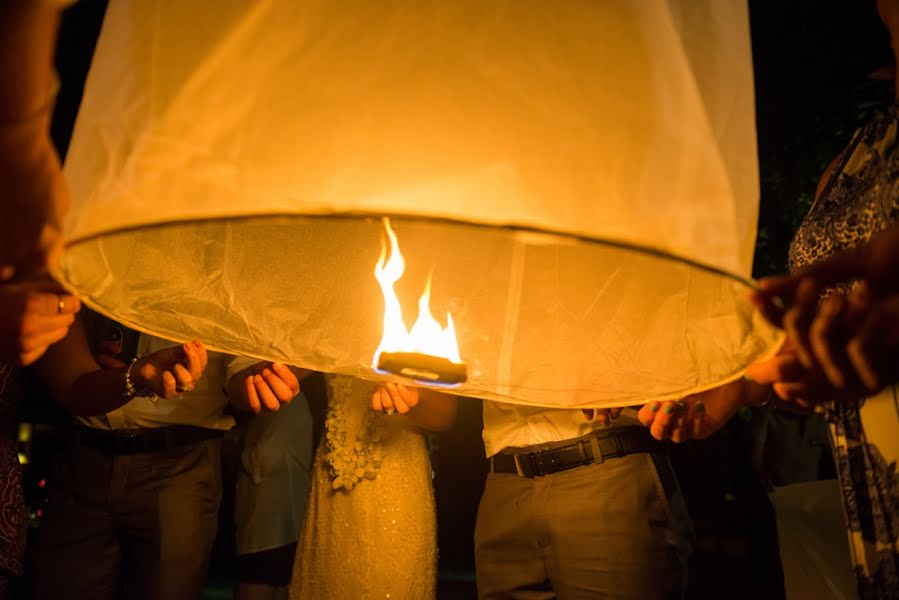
(518, 426)
(204, 406)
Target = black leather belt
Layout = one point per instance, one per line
(137, 441)
(597, 447)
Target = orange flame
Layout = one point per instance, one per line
(426, 335)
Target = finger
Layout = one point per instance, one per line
(168, 385)
(266, 397)
(280, 389)
(771, 308)
(823, 341)
(110, 347)
(648, 412)
(192, 362)
(783, 367)
(663, 424)
(376, 399)
(409, 395)
(35, 324)
(386, 399)
(44, 339)
(678, 431)
(249, 389)
(865, 352)
(698, 420)
(602, 415)
(183, 378)
(397, 399)
(288, 377)
(44, 303)
(588, 413)
(109, 362)
(30, 357)
(791, 391)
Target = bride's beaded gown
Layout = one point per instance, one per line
(370, 527)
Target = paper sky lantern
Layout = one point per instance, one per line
(576, 180)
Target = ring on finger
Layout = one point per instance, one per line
(390, 411)
(60, 305)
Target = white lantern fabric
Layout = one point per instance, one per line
(579, 178)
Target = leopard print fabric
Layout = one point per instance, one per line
(860, 199)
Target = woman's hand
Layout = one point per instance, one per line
(33, 316)
(694, 417)
(434, 411)
(265, 387)
(852, 340)
(394, 397)
(170, 371)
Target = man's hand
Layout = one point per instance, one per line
(33, 316)
(266, 387)
(170, 371)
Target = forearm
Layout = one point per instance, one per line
(95, 393)
(435, 411)
(27, 41)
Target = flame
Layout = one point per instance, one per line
(426, 335)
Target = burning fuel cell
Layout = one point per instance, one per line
(428, 352)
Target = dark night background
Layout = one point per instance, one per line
(812, 61)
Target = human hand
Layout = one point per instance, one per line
(267, 387)
(35, 200)
(170, 371)
(33, 316)
(792, 381)
(107, 355)
(603, 415)
(394, 397)
(696, 416)
(854, 339)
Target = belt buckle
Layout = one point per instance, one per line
(598, 458)
(518, 466)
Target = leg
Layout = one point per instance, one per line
(171, 521)
(508, 554)
(76, 554)
(617, 531)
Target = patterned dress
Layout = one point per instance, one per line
(860, 199)
(370, 530)
(12, 504)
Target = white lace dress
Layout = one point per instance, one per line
(370, 527)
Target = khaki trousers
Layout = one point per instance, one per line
(138, 526)
(608, 530)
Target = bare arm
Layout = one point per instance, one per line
(27, 41)
(82, 388)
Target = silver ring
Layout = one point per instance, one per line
(390, 411)
(181, 389)
(61, 305)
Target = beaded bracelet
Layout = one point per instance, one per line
(130, 390)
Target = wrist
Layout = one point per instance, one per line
(136, 383)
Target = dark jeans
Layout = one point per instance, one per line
(137, 526)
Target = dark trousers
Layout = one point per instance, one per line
(618, 529)
(133, 526)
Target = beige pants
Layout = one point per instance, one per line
(609, 530)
